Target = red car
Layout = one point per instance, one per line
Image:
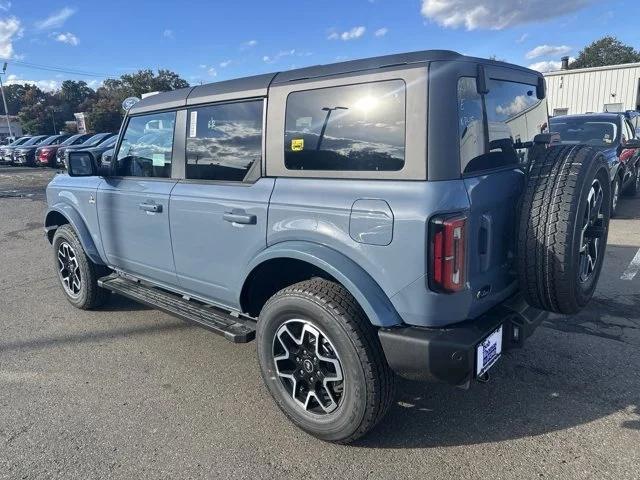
(46, 155)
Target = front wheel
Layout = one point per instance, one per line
(322, 362)
(78, 275)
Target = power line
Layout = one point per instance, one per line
(51, 68)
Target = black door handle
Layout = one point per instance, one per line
(151, 207)
(240, 217)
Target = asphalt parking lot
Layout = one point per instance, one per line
(130, 392)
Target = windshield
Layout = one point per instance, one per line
(110, 142)
(588, 132)
(35, 140)
(95, 140)
(19, 141)
(49, 140)
(72, 139)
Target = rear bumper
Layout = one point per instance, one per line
(448, 354)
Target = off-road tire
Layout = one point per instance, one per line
(369, 383)
(90, 295)
(555, 198)
(633, 187)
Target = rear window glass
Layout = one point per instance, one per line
(492, 126)
(582, 130)
(347, 128)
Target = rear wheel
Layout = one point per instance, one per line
(615, 196)
(322, 362)
(78, 275)
(633, 187)
(563, 228)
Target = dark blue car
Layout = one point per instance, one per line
(608, 133)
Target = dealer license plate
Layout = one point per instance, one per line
(488, 351)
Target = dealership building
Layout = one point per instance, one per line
(16, 127)
(615, 88)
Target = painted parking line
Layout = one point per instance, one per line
(633, 268)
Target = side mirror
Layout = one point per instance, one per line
(81, 164)
(633, 143)
(106, 168)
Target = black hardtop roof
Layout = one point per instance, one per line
(258, 85)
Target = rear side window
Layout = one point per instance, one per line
(146, 147)
(224, 141)
(491, 127)
(347, 128)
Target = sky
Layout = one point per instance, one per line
(48, 41)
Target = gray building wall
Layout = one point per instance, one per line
(612, 88)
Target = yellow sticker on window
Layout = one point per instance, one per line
(297, 144)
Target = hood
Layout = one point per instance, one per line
(609, 152)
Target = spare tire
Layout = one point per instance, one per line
(563, 227)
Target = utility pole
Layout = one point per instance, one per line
(53, 119)
(4, 100)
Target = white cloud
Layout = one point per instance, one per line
(5, 5)
(522, 38)
(46, 85)
(211, 70)
(225, 63)
(548, 66)
(355, 32)
(496, 14)
(168, 33)
(10, 30)
(56, 19)
(548, 51)
(281, 54)
(68, 37)
(381, 32)
(249, 44)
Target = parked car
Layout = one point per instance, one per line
(104, 147)
(7, 151)
(46, 155)
(26, 154)
(608, 133)
(93, 141)
(348, 228)
(32, 142)
(633, 117)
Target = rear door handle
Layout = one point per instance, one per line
(151, 207)
(240, 217)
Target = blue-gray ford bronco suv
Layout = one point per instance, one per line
(401, 215)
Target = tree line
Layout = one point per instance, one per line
(45, 112)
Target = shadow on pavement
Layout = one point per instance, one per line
(91, 336)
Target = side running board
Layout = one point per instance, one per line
(216, 320)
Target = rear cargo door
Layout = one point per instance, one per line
(491, 125)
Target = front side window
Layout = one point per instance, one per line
(493, 126)
(146, 147)
(347, 128)
(224, 141)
